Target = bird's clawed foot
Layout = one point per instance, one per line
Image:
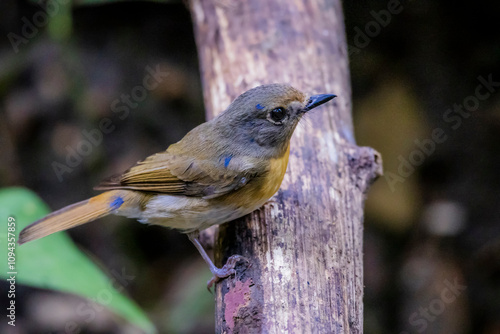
(218, 273)
(226, 271)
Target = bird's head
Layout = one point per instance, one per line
(264, 118)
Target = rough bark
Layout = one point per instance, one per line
(305, 270)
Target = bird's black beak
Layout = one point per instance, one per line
(317, 100)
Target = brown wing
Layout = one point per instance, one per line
(183, 175)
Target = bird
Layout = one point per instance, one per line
(219, 171)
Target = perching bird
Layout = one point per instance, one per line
(221, 170)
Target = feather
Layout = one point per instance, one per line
(183, 174)
(72, 215)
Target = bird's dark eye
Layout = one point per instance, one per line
(277, 115)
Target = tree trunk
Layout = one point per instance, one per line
(305, 269)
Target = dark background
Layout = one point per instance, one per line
(431, 222)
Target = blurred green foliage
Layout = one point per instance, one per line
(56, 263)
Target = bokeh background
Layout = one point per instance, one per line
(426, 94)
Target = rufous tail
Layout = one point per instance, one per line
(72, 215)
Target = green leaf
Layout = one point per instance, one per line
(54, 262)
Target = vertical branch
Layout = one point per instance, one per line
(305, 271)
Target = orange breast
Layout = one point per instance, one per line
(259, 190)
(272, 181)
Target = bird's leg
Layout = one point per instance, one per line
(218, 273)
